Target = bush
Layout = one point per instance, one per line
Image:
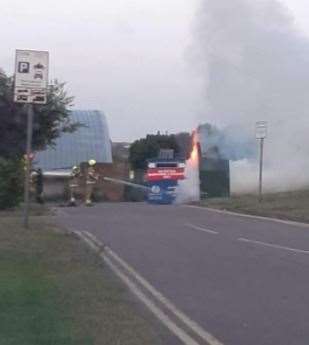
(11, 182)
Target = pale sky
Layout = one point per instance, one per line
(126, 58)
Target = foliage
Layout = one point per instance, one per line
(143, 149)
(50, 119)
(184, 141)
(11, 182)
(54, 291)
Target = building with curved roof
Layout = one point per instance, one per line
(91, 141)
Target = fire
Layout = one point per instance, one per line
(194, 154)
(189, 188)
(194, 158)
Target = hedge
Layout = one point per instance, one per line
(11, 182)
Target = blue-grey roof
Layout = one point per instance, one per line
(89, 142)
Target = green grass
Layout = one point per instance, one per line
(54, 291)
(35, 210)
(29, 313)
(286, 205)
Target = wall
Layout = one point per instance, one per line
(57, 188)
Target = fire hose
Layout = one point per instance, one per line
(127, 183)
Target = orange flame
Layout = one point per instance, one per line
(194, 153)
(194, 158)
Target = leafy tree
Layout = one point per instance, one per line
(50, 119)
(11, 182)
(184, 141)
(143, 149)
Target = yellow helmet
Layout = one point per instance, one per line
(92, 162)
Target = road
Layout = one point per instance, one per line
(243, 280)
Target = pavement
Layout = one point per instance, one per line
(239, 280)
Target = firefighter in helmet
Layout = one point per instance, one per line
(37, 185)
(74, 184)
(91, 179)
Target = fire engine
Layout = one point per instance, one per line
(162, 178)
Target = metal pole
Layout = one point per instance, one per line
(261, 169)
(28, 166)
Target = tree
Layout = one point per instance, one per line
(185, 144)
(143, 149)
(50, 119)
(11, 182)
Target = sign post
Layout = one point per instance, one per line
(28, 166)
(31, 80)
(261, 134)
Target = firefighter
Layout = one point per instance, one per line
(74, 184)
(36, 185)
(91, 179)
(39, 187)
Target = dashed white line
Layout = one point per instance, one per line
(271, 245)
(199, 228)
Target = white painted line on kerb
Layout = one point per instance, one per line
(180, 333)
(177, 331)
(199, 228)
(250, 216)
(276, 246)
(194, 326)
(94, 239)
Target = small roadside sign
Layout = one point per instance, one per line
(31, 82)
(31, 76)
(261, 130)
(261, 134)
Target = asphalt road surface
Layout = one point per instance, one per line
(243, 280)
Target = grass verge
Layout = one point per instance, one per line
(287, 205)
(35, 210)
(54, 291)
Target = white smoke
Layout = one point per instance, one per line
(255, 64)
(188, 190)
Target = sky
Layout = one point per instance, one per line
(130, 59)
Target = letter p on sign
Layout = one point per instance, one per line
(23, 67)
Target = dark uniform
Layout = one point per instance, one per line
(38, 185)
(74, 184)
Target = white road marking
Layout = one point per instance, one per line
(194, 326)
(94, 239)
(195, 227)
(271, 245)
(180, 333)
(244, 215)
(177, 331)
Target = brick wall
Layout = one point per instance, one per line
(57, 187)
(105, 190)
